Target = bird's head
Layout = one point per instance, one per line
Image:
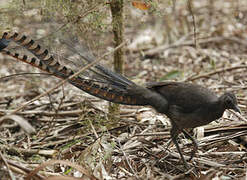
(229, 101)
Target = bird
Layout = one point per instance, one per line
(187, 105)
(191, 105)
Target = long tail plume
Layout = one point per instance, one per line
(122, 91)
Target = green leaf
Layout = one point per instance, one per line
(212, 63)
(171, 75)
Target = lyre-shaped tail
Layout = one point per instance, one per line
(128, 93)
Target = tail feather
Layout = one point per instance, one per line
(4, 43)
(104, 72)
(54, 65)
(109, 91)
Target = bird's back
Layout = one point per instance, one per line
(187, 96)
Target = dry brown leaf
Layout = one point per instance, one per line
(140, 5)
(68, 163)
(63, 178)
(21, 121)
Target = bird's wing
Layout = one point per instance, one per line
(189, 97)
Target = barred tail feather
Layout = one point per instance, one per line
(47, 63)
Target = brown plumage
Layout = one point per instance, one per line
(187, 105)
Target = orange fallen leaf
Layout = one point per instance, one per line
(140, 5)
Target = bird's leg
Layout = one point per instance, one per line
(195, 144)
(174, 135)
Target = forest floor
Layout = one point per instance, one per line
(72, 125)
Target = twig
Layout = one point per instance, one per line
(75, 21)
(181, 42)
(189, 3)
(238, 115)
(127, 160)
(7, 166)
(28, 152)
(219, 138)
(16, 167)
(215, 72)
(21, 74)
(200, 160)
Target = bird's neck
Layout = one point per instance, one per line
(217, 108)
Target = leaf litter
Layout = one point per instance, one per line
(71, 125)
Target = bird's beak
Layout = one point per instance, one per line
(237, 109)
